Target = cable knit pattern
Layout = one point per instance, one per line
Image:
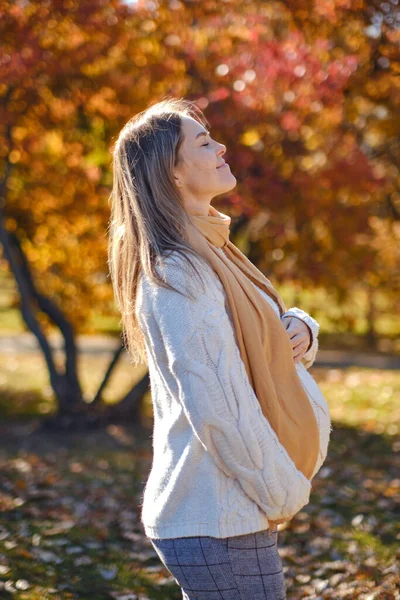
(218, 467)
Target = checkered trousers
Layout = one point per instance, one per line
(242, 567)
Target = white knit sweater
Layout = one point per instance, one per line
(218, 467)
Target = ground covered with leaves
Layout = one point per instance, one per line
(70, 507)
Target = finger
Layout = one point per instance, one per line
(299, 352)
(286, 322)
(299, 325)
(298, 357)
(294, 328)
(299, 338)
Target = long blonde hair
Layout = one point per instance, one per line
(148, 218)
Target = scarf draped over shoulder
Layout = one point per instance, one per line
(264, 344)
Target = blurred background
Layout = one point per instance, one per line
(305, 94)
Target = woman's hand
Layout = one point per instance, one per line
(274, 524)
(299, 334)
(279, 521)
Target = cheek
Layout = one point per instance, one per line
(205, 163)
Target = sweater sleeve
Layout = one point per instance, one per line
(309, 356)
(195, 338)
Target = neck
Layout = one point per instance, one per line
(200, 210)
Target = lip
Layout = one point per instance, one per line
(223, 165)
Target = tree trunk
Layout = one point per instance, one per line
(371, 334)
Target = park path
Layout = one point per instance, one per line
(103, 344)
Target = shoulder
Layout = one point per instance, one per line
(176, 272)
(189, 275)
(184, 263)
(188, 271)
(195, 307)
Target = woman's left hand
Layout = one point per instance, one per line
(299, 334)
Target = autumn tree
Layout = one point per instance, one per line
(305, 95)
(70, 75)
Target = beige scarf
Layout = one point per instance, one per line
(264, 344)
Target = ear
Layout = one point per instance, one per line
(178, 180)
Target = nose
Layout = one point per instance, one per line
(222, 149)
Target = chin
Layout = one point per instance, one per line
(225, 189)
(227, 185)
(233, 183)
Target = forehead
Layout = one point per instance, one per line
(191, 128)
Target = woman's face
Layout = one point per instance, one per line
(200, 175)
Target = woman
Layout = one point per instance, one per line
(240, 426)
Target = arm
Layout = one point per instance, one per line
(313, 326)
(207, 376)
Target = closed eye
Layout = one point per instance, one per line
(206, 144)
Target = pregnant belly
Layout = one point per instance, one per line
(312, 388)
(321, 411)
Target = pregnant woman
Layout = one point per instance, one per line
(240, 425)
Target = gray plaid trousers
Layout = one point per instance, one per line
(241, 567)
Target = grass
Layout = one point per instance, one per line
(25, 390)
(71, 529)
(366, 398)
(71, 503)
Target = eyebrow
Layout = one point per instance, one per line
(202, 133)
